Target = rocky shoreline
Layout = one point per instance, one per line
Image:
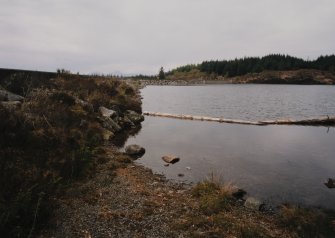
(128, 200)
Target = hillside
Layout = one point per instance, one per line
(302, 76)
(275, 68)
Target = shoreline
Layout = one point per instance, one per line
(129, 199)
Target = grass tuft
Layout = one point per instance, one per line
(308, 222)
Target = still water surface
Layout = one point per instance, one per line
(245, 102)
(274, 163)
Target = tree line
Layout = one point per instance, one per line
(237, 67)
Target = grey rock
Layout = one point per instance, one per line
(8, 96)
(135, 150)
(110, 124)
(105, 112)
(170, 159)
(134, 116)
(253, 204)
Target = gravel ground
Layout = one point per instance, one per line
(126, 202)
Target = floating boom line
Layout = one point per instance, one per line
(322, 121)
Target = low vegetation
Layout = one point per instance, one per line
(218, 213)
(308, 222)
(52, 138)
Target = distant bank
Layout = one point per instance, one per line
(302, 76)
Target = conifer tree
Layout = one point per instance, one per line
(161, 74)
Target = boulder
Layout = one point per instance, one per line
(110, 124)
(134, 116)
(8, 96)
(330, 183)
(253, 204)
(170, 159)
(105, 112)
(135, 150)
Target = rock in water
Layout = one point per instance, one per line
(253, 204)
(170, 159)
(135, 150)
(330, 183)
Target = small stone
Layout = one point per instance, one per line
(188, 168)
(180, 175)
(253, 204)
(170, 159)
(166, 165)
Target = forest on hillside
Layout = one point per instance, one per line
(238, 67)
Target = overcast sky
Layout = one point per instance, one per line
(139, 36)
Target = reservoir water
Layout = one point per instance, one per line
(274, 163)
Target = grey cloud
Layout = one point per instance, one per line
(139, 36)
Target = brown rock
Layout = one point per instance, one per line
(170, 159)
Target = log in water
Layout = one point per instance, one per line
(327, 121)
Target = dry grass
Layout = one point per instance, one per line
(308, 222)
(218, 214)
(49, 141)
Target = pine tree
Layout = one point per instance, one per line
(161, 74)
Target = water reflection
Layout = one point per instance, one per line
(274, 163)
